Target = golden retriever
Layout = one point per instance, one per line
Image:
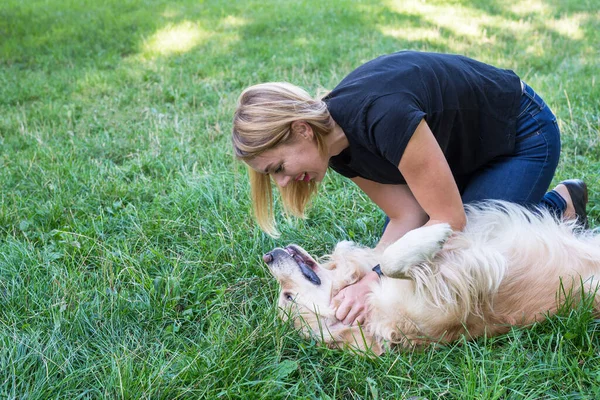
(509, 267)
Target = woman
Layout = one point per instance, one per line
(420, 133)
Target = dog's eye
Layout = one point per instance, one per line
(288, 296)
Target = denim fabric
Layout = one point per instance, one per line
(523, 176)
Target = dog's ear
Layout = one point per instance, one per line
(355, 338)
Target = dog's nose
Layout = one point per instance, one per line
(268, 257)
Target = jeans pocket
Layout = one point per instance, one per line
(530, 134)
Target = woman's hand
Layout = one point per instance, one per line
(351, 301)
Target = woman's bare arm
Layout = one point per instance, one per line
(399, 204)
(430, 180)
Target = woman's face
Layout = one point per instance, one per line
(299, 160)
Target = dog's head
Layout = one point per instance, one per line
(306, 285)
(307, 288)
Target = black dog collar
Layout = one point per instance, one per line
(377, 269)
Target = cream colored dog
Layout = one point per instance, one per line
(509, 267)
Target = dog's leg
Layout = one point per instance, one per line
(415, 247)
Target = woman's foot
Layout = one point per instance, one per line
(575, 193)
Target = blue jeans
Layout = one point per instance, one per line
(523, 176)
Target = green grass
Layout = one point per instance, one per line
(130, 266)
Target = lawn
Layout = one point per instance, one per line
(130, 265)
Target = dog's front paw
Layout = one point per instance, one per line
(415, 247)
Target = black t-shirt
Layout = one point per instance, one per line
(471, 108)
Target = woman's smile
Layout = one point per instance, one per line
(303, 177)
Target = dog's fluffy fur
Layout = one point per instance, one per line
(509, 267)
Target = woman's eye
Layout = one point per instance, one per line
(279, 169)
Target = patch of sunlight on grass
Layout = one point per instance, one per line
(301, 41)
(411, 33)
(170, 13)
(568, 26)
(528, 7)
(460, 20)
(469, 23)
(175, 39)
(232, 21)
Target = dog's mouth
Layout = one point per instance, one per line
(307, 265)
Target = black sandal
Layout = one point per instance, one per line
(579, 197)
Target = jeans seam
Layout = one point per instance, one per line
(538, 102)
(545, 162)
(524, 109)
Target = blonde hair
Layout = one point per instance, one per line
(263, 119)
